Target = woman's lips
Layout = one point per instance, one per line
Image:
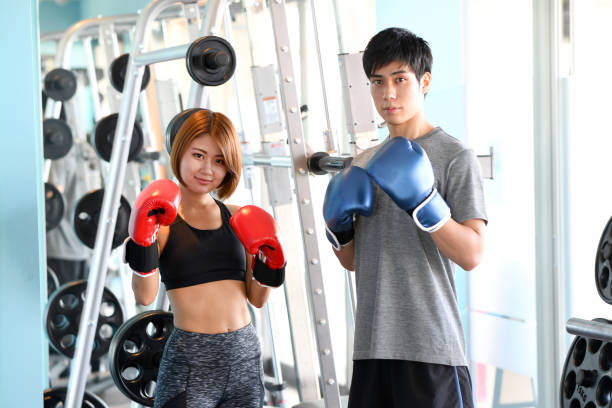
(203, 181)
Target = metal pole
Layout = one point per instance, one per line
(229, 35)
(329, 137)
(109, 46)
(549, 223)
(276, 366)
(589, 329)
(148, 134)
(91, 76)
(329, 385)
(304, 76)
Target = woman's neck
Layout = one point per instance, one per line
(193, 200)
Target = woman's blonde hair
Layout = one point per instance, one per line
(206, 122)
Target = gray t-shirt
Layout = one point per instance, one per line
(406, 298)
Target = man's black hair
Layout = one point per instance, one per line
(397, 44)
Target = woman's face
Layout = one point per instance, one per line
(202, 166)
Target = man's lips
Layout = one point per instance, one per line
(391, 109)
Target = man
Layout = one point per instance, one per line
(401, 217)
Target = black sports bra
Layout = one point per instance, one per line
(193, 256)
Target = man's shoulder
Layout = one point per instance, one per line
(440, 143)
(362, 157)
(439, 136)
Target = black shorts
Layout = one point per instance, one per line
(400, 384)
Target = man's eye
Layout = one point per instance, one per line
(401, 79)
(377, 82)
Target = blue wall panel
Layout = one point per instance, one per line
(93, 8)
(23, 364)
(54, 17)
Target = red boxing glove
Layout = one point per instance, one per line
(257, 231)
(156, 205)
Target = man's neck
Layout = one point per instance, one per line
(412, 129)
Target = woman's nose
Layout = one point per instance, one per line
(206, 166)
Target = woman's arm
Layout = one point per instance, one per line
(462, 243)
(154, 210)
(146, 286)
(256, 294)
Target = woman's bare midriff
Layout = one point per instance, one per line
(214, 307)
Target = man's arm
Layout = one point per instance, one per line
(348, 193)
(346, 256)
(462, 243)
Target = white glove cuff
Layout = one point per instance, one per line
(432, 213)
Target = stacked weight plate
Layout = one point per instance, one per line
(586, 380)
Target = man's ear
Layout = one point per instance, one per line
(425, 82)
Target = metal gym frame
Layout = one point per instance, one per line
(198, 96)
(297, 146)
(110, 204)
(103, 27)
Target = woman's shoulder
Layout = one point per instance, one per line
(232, 208)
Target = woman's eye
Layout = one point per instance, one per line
(221, 162)
(198, 155)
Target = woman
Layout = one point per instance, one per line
(212, 259)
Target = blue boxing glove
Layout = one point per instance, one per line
(350, 191)
(402, 169)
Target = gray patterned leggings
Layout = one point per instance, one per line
(211, 370)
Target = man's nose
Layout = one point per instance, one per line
(389, 92)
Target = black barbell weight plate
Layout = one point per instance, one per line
(57, 138)
(55, 397)
(63, 315)
(603, 264)
(118, 69)
(175, 124)
(210, 60)
(586, 379)
(103, 136)
(60, 84)
(87, 214)
(54, 206)
(135, 354)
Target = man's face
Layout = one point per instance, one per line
(397, 94)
